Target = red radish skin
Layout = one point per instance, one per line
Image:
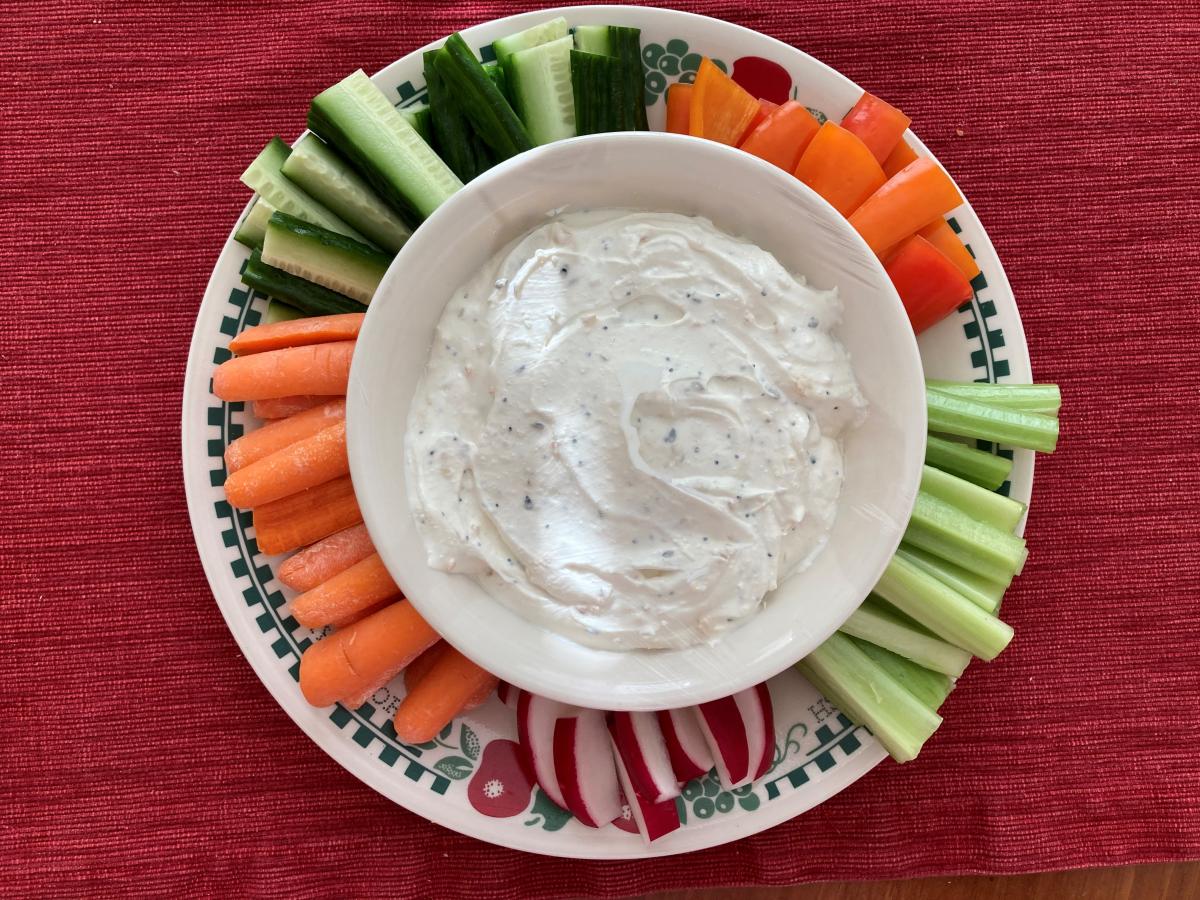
(764, 696)
(587, 773)
(721, 722)
(641, 746)
(690, 756)
(535, 731)
(508, 694)
(653, 820)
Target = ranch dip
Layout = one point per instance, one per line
(628, 428)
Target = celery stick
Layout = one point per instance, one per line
(979, 503)
(946, 531)
(865, 692)
(949, 414)
(931, 688)
(883, 626)
(985, 469)
(942, 610)
(983, 593)
(1034, 398)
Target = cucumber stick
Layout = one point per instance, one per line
(627, 47)
(305, 296)
(457, 141)
(265, 176)
(361, 123)
(541, 33)
(593, 39)
(253, 226)
(870, 696)
(421, 119)
(481, 101)
(540, 82)
(280, 312)
(495, 71)
(324, 257)
(318, 170)
(599, 92)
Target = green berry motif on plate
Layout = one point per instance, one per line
(668, 64)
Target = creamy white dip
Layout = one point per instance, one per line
(628, 428)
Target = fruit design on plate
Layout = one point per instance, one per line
(669, 63)
(763, 78)
(502, 786)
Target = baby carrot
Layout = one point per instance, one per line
(302, 465)
(283, 407)
(679, 107)
(910, 200)
(419, 667)
(274, 436)
(346, 593)
(350, 660)
(320, 369)
(304, 518)
(297, 333)
(324, 559)
(450, 684)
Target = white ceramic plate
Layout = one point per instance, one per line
(468, 779)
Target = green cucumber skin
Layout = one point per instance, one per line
(489, 112)
(599, 92)
(421, 119)
(542, 33)
(457, 142)
(627, 46)
(383, 147)
(305, 296)
(548, 114)
(316, 168)
(326, 256)
(499, 77)
(593, 39)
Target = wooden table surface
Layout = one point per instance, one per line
(1167, 881)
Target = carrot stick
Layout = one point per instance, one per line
(298, 467)
(297, 333)
(783, 136)
(419, 667)
(346, 593)
(839, 167)
(898, 159)
(320, 369)
(878, 124)
(721, 109)
(304, 518)
(910, 200)
(679, 103)
(451, 682)
(350, 660)
(941, 235)
(324, 559)
(274, 436)
(284, 407)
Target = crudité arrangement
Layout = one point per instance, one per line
(328, 216)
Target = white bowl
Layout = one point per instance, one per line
(741, 195)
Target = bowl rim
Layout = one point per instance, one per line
(489, 653)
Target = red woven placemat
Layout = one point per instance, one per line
(140, 753)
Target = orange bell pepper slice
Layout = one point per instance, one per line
(877, 123)
(679, 108)
(721, 109)
(898, 159)
(840, 167)
(928, 282)
(941, 235)
(910, 200)
(765, 108)
(783, 136)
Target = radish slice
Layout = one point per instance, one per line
(754, 719)
(642, 749)
(764, 699)
(689, 753)
(653, 819)
(721, 722)
(587, 774)
(507, 693)
(535, 731)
